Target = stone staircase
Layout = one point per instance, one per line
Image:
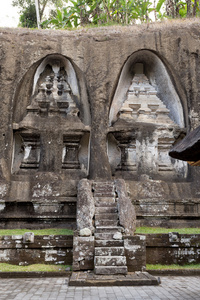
(109, 255)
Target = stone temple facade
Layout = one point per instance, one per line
(85, 112)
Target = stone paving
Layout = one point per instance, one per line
(176, 288)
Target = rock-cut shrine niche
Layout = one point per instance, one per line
(143, 129)
(53, 133)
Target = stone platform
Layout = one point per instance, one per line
(131, 279)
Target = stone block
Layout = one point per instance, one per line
(103, 236)
(28, 237)
(135, 251)
(83, 253)
(109, 243)
(110, 260)
(109, 251)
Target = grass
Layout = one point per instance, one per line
(49, 231)
(154, 230)
(32, 268)
(61, 231)
(172, 267)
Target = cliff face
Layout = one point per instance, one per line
(98, 57)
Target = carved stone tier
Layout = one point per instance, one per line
(54, 97)
(142, 103)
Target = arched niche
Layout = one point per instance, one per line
(159, 77)
(29, 84)
(51, 122)
(146, 118)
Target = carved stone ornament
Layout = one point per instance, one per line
(54, 97)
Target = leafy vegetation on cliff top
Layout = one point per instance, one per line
(67, 14)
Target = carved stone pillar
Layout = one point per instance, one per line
(164, 160)
(128, 151)
(70, 152)
(31, 144)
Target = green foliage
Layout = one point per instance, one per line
(99, 12)
(32, 268)
(172, 267)
(159, 5)
(49, 231)
(28, 12)
(154, 230)
(62, 20)
(28, 17)
(73, 13)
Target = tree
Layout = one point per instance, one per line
(28, 17)
(178, 9)
(27, 9)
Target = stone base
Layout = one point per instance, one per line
(111, 270)
(131, 279)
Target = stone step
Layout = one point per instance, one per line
(131, 279)
(105, 199)
(111, 229)
(109, 243)
(106, 188)
(106, 216)
(105, 204)
(110, 270)
(110, 260)
(104, 209)
(103, 184)
(106, 222)
(103, 187)
(103, 236)
(109, 251)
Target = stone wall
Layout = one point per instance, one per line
(165, 249)
(165, 204)
(47, 249)
(102, 62)
(173, 248)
